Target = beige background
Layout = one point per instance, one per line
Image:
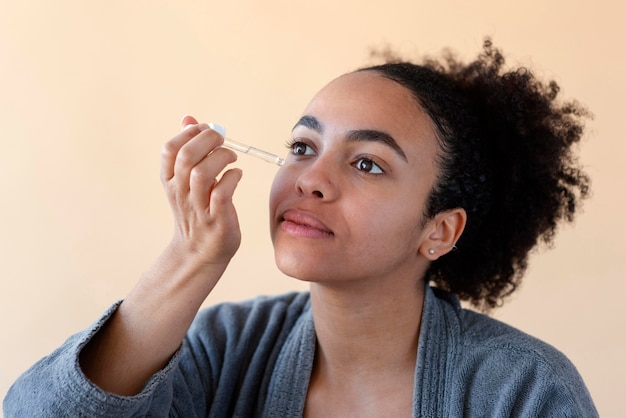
(90, 90)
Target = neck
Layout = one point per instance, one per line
(366, 329)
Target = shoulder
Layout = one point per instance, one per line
(497, 364)
(248, 322)
(230, 349)
(271, 309)
(486, 341)
(482, 338)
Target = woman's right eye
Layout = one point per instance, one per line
(301, 149)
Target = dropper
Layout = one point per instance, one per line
(246, 149)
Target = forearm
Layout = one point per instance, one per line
(56, 386)
(150, 324)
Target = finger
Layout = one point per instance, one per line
(170, 149)
(188, 120)
(223, 191)
(203, 175)
(195, 151)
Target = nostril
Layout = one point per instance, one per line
(314, 184)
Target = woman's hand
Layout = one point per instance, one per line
(150, 324)
(206, 225)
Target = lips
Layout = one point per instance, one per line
(303, 224)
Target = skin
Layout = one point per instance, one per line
(346, 215)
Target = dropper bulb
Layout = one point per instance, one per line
(218, 128)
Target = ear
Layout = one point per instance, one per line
(442, 233)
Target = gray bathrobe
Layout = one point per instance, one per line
(254, 359)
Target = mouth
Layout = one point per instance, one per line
(302, 224)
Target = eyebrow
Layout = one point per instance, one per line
(377, 136)
(310, 122)
(365, 135)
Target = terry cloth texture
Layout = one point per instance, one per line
(254, 359)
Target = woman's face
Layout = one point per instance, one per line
(348, 202)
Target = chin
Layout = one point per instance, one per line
(291, 267)
(306, 271)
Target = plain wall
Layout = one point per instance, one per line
(90, 90)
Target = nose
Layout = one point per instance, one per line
(318, 180)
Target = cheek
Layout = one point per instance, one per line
(394, 221)
(278, 192)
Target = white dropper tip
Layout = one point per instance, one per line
(218, 128)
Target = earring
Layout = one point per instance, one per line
(431, 251)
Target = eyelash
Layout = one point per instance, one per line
(292, 143)
(370, 161)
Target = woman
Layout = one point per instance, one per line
(398, 176)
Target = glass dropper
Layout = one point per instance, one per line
(246, 149)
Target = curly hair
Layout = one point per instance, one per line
(505, 156)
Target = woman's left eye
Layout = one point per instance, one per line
(368, 166)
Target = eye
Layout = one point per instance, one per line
(300, 148)
(368, 166)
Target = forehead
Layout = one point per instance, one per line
(368, 100)
(367, 88)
